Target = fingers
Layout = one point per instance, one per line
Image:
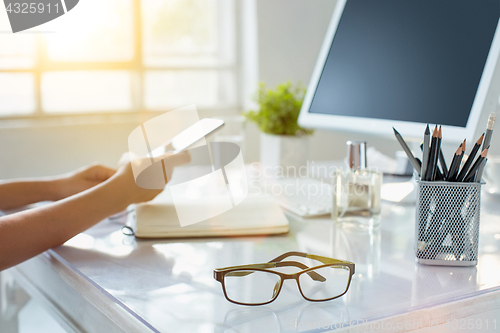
(101, 173)
(105, 173)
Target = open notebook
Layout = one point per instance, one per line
(255, 215)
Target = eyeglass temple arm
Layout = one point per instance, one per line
(324, 260)
(219, 272)
(315, 276)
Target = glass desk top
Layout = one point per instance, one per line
(169, 284)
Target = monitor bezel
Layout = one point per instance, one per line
(382, 127)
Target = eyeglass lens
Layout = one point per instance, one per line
(251, 287)
(336, 280)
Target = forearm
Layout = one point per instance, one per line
(26, 234)
(15, 194)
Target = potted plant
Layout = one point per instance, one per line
(283, 143)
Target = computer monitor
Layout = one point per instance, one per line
(405, 63)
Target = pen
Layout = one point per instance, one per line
(407, 151)
(431, 165)
(455, 164)
(472, 172)
(486, 142)
(425, 151)
(469, 160)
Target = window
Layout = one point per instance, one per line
(127, 56)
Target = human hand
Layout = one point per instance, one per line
(126, 180)
(82, 179)
(124, 183)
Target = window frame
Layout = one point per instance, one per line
(137, 68)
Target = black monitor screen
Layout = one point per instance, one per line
(418, 61)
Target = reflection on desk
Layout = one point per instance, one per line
(168, 285)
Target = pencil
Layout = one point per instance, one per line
(455, 164)
(439, 174)
(443, 164)
(479, 173)
(470, 158)
(489, 130)
(486, 142)
(431, 163)
(407, 151)
(436, 157)
(472, 172)
(425, 150)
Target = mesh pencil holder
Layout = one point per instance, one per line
(447, 223)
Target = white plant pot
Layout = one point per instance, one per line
(283, 151)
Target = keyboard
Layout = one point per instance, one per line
(305, 197)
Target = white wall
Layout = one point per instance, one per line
(53, 147)
(50, 150)
(290, 34)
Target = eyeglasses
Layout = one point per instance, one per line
(258, 285)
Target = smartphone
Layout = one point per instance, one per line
(189, 136)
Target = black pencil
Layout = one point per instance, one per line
(439, 174)
(443, 164)
(472, 172)
(431, 167)
(478, 176)
(408, 152)
(455, 164)
(468, 162)
(425, 151)
(461, 158)
(436, 157)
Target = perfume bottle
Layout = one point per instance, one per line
(356, 189)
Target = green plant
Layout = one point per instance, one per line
(279, 109)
